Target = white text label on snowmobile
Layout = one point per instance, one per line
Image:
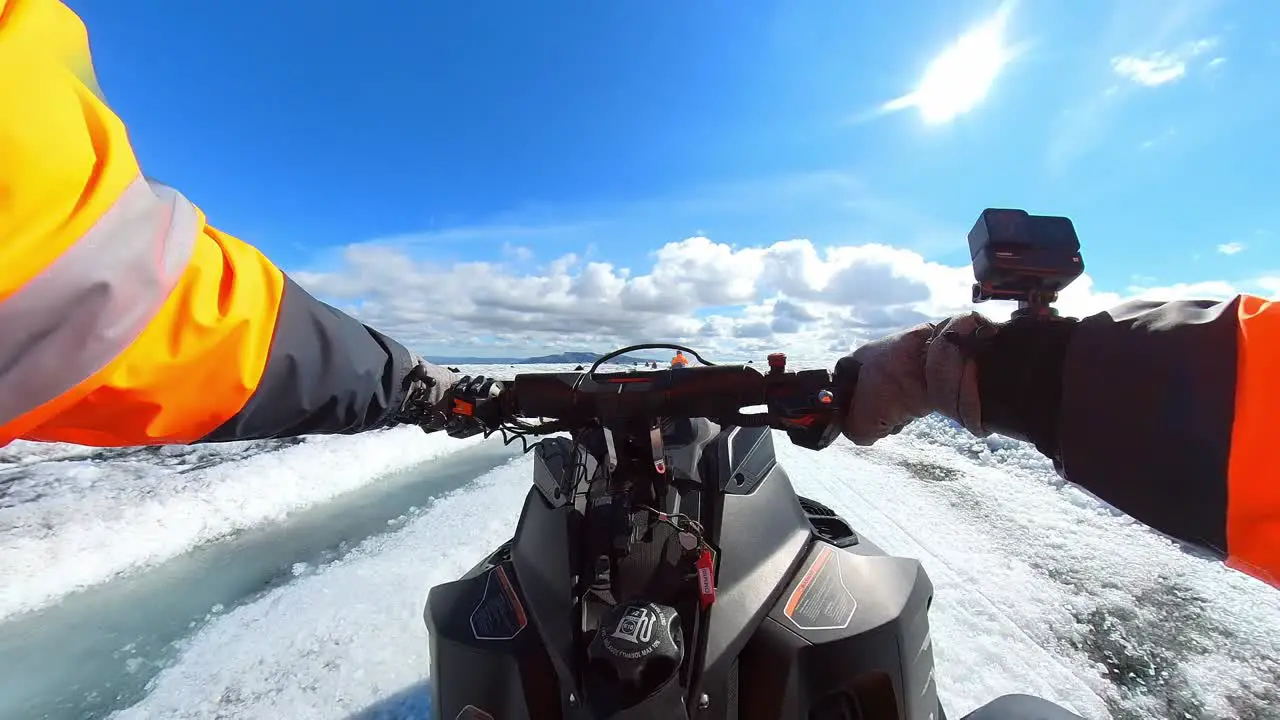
(706, 578)
(637, 625)
(499, 614)
(633, 638)
(820, 601)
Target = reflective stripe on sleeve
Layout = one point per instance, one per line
(90, 303)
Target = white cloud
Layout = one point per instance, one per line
(1146, 44)
(962, 74)
(732, 301)
(517, 253)
(1154, 69)
(1230, 248)
(1161, 67)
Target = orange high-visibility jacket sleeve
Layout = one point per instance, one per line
(125, 318)
(1171, 412)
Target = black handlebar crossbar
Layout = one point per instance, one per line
(685, 392)
(806, 404)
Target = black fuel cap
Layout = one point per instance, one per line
(639, 646)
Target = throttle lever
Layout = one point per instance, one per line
(845, 380)
(824, 429)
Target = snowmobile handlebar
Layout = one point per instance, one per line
(808, 404)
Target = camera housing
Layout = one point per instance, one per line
(1023, 257)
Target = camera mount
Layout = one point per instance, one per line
(1025, 258)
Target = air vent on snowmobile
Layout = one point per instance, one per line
(827, 524)
(812, 507)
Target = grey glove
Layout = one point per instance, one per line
(915, 372)
(426, 396)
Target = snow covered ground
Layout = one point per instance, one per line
(72, 517)
(1039, 588)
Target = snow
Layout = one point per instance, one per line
(73, 517)
(1040, 588)
(344, 638)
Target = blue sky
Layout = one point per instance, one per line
(518, 132)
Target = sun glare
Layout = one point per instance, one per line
(962, 74)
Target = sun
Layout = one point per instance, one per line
(962, 74)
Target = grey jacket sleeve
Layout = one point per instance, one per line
(326, 373)
(1145, 422)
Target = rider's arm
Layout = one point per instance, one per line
(125, 318)
(1169, 411)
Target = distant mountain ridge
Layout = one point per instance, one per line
(581, 358)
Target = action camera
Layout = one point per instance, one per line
(1023, 257)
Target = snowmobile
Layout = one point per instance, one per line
(664, 567)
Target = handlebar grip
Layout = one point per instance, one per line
(546, 395)
(713, 391)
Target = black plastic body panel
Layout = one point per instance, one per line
(850, 632)
(1021, 707)
(763, 533)
(542, 558)
(503, 676)
(751, 660)
(557, 466)
(748, 459)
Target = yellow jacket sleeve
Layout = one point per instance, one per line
(125, 318)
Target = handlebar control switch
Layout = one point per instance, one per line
(777, 362)
(474, 406)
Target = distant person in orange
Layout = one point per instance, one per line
(679, 360)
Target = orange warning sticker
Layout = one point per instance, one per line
(499, 615)
(820, 600)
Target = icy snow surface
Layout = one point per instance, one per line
(1039, 587)
(72, 517)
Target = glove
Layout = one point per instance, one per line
(427, 396)
(906, 376)
(990, 377)
(474, 406)
(438, 400)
